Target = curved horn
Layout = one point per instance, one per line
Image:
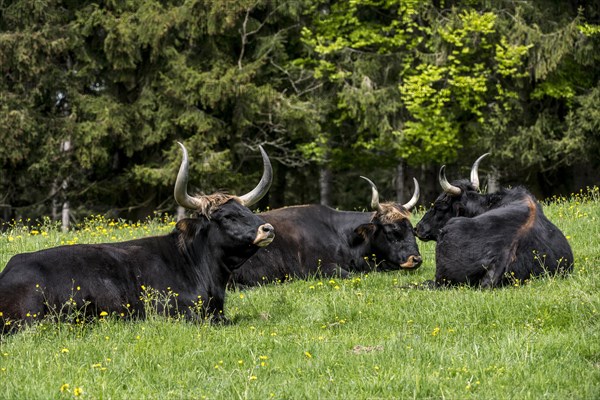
(474, 173)
(415, 197)
(181, 195)
(374, 195)
(446, 186)
(263, 186)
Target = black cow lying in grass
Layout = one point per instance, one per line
(318, 240)
(491, 240)
(189, 267)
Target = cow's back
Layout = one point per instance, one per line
(106, 276)
(544, 249)
(308, 238)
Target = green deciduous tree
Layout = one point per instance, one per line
(460, 78)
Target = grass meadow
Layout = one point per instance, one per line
(367, 337)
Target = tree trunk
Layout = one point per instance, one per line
(6, 211)
(399, 180)
(180, 213)
(66, 221)
(54, 192)
(278, 189)
(429, 184)
(493, 177)
(325, 178)
(65, 146)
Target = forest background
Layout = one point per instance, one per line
(94, 96)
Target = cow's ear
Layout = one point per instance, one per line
(188, 227)
(183, 225)
(459, 209)
(362, 233)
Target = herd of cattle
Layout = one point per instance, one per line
(483, 240)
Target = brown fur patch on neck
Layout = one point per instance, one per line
(523, 229)
(531, 218)
(208, 203)
(392, 213)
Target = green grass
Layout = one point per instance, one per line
(366, 337)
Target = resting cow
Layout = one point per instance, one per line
(494, 239)
(318, 240)
(193, 263)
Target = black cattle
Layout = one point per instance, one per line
(494, 239)
(189, 267)
(318, 240)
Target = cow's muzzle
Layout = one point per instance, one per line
(422, 235)
(412, 262)
(265, 235)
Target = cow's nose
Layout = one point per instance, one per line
(267, 228)
(265, 235)
(412, 262)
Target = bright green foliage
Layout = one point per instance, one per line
(462, 76)
(446, 71)
(449, 94)
(360, 49)
(510, 58)
(589, 29)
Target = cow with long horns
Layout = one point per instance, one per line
(189, 268)
(491, 240)
(318, 240)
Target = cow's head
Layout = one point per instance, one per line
(225, 223)
(390, 233)
(460, 198)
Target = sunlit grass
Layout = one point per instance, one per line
(363, 337)
(25, 235)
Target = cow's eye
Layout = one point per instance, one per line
(440, 205)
